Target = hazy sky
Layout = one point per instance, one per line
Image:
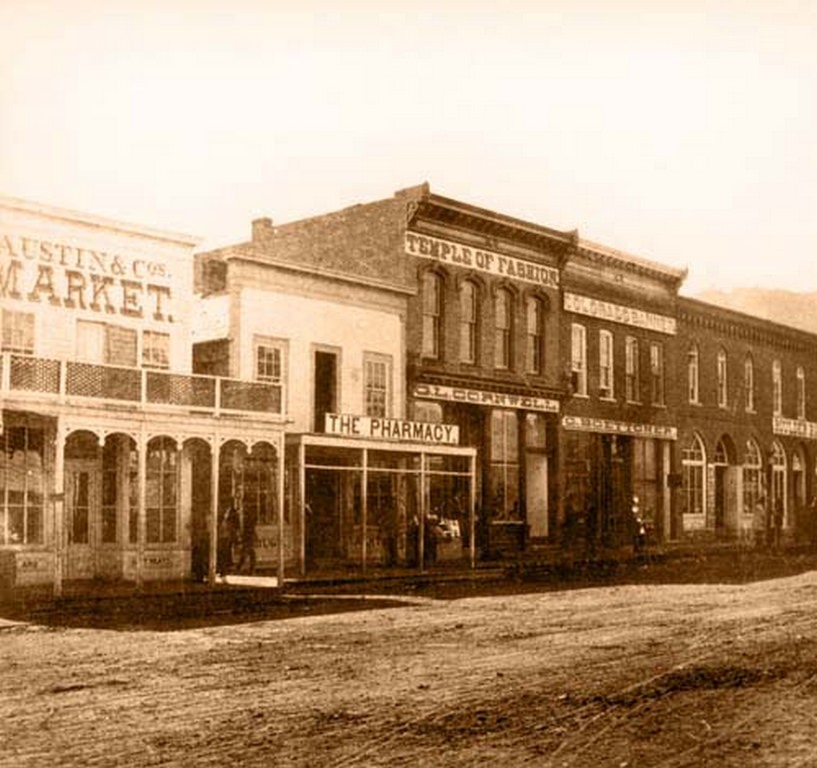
(677, 130)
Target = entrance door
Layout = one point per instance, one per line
(325, 396)
(536, 493)
(82, 509)
(720, 498)
(323, 515)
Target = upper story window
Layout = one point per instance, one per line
(106, 343)
(432, 315)
(377, 384)
(723, 397)
(749, 383)
(801, 393)
(578, 359)
(503, 328)
(469, 315)
(632, 376)
(606, 364)
(18, 332)
(270, 360)
(777, 389)
(692, 374)
(155, 349)
(657, 373)
(535, 335)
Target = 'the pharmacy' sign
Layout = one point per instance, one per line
(349, 425)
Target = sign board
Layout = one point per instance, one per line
(794, 428)
(379, 428)
(483, 397)
(618, 313)
(608, 427)
(491, 263)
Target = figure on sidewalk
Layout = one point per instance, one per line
(248, 540)
(227, 537)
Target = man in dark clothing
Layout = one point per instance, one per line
(227, 536)
(248, 540)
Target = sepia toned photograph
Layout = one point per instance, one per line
(408, 384)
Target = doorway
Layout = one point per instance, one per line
(323, 515)
(325, 395)
(82, 508)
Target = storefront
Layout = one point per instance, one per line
(367, 495)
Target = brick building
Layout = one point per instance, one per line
(747, 418)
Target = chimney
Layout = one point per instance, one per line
(262, 228)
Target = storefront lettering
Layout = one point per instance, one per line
(618, 313)
(794, 428)
(391, 429)
(609, 427)
(80, 278)
(482, 397)
(483, 261)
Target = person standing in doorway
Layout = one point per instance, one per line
(227, 536)
(248, 540)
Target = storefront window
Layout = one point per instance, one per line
(693, 460)
(752, 477)
(645, 477)
(162, 491)
(504, 468)
(22, 485)
(260, 485)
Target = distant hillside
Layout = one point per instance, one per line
(798, 310)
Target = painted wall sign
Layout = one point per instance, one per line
(618, 313)
(483, 261)
(482, 397)
(608, 427)
(348, 425)
(794, 428)
(40, 271)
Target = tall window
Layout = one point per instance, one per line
(631, 370)
(162, 489)
(22, 484)
(723, 400)
(432, 315)
(376, 384)
(578, 359)
(657, 373)
(692, 374)
(752, 476)
(469, 313)
(503, 328)
(777, 389)
(155, 349)
(18, 332)
(270, 360)
(693, 461)
(749, 383)
(536, 335)
(106, 343)
(801, 393)
(504, 476)
(606, 364)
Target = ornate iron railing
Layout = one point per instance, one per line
(70, 381)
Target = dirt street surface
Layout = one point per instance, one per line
(624, 675)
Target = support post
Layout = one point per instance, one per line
(281, 549)
(59, 509)
(364, 498)
(212, 522)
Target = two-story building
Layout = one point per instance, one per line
(114, 456)
(319, 307)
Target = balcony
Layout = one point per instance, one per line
(69, 382)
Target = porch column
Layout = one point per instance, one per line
(141, 525)
(302, 499)
(421, 528)
(667, 492)
(58, 509)
(364, 499)
(281, 549)
(212, 521)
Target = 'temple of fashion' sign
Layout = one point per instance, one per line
(617, 313)
(481, 260)
(350, 425)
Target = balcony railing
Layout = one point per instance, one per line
(70, 381)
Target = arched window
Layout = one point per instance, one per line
(749, 383)
(503, 328)
(536, 335)
(162, 491)
(693, 461)
(752, 476)
(801, 393)
(432, 315)
(777, 389)
(692, 374)
(723, 384)
(469, 314)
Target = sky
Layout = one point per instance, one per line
(681, 131)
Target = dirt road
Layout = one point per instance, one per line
(635, 675)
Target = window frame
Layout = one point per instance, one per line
(578, 362)
(606, 365)
(722, 378)
(273, 344)
(370, 360)
(18, 325)
(801, 393)
(693, 375)
(749, 383)
(150, 350)
(535, 335)
(469, 326)
(657, 374)
(777, 388)
(432, 315)
(632, 370)
(503, 334)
